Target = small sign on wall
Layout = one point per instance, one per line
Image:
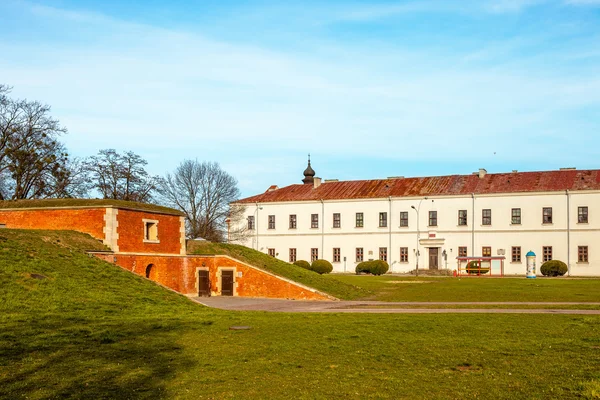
(239, 275)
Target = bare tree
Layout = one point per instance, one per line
(32, 160)
(203, 192)
(121, 176)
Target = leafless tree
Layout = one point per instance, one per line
(203, 192)
(121, 176)
(32, 160)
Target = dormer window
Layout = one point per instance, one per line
(150, 231)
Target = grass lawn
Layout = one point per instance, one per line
(72, 326)
(395, 288)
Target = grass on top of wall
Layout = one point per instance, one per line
(324, 283)
(50, 203)
(72, 326)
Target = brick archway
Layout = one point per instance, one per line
(151, 272)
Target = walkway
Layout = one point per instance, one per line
(379, 307)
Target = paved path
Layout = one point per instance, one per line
(379, 307)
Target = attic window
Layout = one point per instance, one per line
(150, 231)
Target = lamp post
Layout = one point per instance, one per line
(418, 232)
(256, 223)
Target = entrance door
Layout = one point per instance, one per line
(226, 283)
(203, 283)
(433, 257)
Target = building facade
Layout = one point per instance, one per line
(428, 222)
(149, 240)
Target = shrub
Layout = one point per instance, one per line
(473, 267)
(321, 267)
(302, 264)
(375, 267)
(554, 268)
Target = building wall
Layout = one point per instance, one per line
(131, 233)
(501, 235)
(180, 273)
(86, 220)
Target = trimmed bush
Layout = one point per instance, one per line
(302, 264)
(554, 268)
(321, 267)
(375, 267)
(473, 268)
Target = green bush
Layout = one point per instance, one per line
(554, 268)
(375, 267)
(302, 264)
(321, 267)
(474, 268)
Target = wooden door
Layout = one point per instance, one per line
(433, 257)
(226, 283)
(203, 283)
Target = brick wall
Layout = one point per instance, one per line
(180, 274)
(88, 220)
(131, 232)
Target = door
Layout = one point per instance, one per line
(203, 283)
(433, 257)
(226, 283)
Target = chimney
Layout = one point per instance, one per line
(316, 182)
(272, 188)
(482, 172)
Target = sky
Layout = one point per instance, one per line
(370, 89)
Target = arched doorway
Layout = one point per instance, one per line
(151, 272)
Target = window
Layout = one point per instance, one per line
(314, 220)
(359, 254)
(272, 252)
(432, 218)
(516, 254)
(547, 253)
(383, 253)
(404, 218)
(337, 220)
(462, 217)
(314, 254)
(382, 219)
(547, 215)
(337, 254)
(150, 230)
(486, 251)
(515, 216)
(462, 251)
(486, 216)
(271, 222)
(251, 222)
(582, 215)
(359, 220)
(292, 255)
(582, 254)
(403, 254)
(292, 221)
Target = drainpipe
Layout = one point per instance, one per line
(390, 234)
(568, 233)
(256, 225)
(322, 228)
(473, 226)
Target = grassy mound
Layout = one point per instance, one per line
(323, 283)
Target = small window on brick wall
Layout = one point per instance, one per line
(150, 230)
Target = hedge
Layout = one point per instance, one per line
(321, 267)
(375, 267)
(302, 264)
(554, 268)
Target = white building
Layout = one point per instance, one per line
(432, 220)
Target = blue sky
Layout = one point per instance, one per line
(370, 89)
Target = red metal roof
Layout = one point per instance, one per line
(515, 182)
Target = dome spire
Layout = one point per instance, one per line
(309, 173)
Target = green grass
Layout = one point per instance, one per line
(325, 283)
(87, 203)
(93, 330)
(395, 288)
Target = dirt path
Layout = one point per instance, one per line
(379, 307)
